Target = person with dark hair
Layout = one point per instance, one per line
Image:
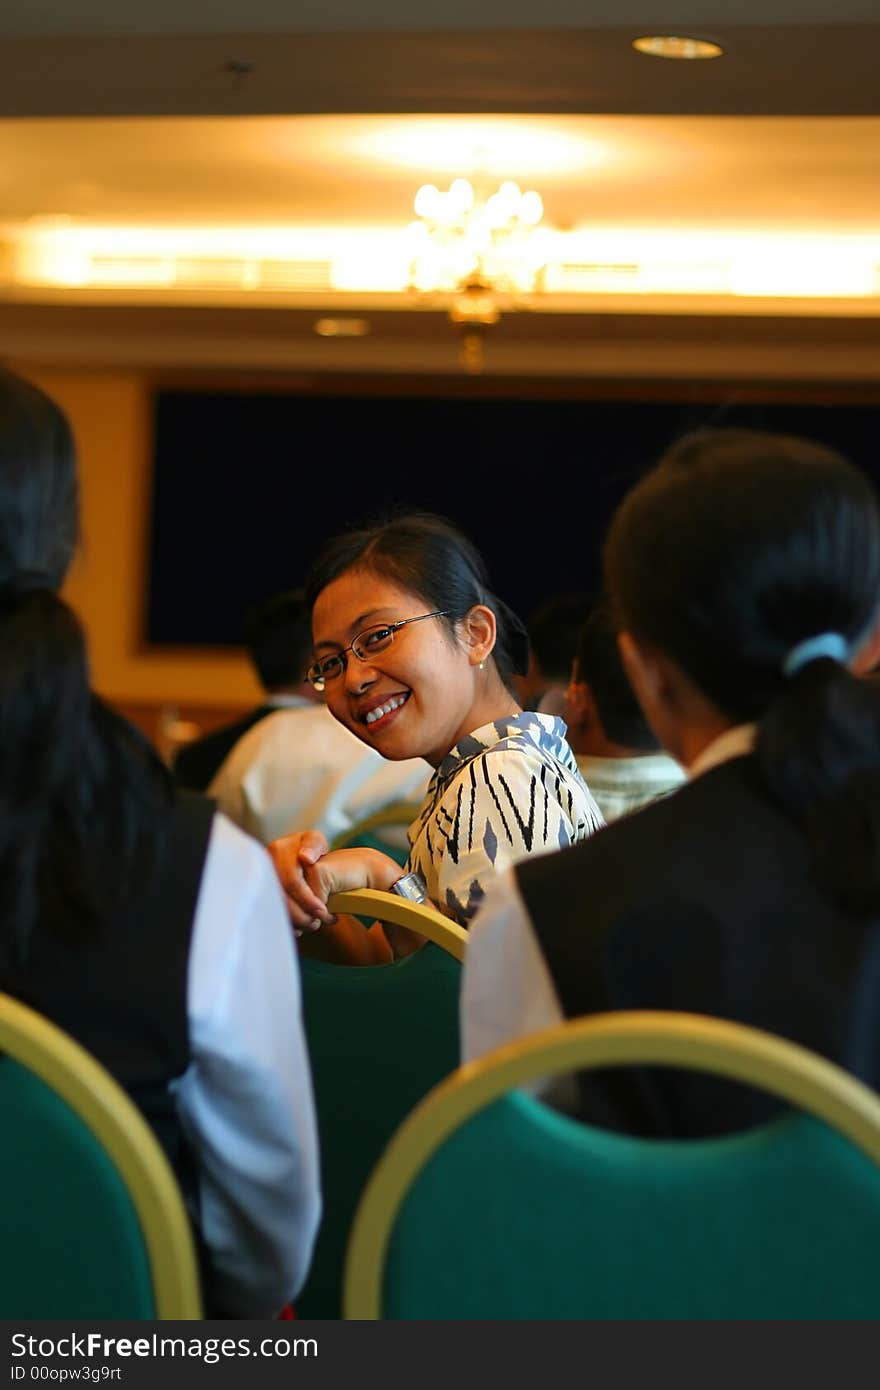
(278, 637)
(553, 631)
(745, 574)
(617, 753)
(297, 768)
(143, 924)
(416, 656)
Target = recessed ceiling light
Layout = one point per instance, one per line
(342, 328)
(677, 46)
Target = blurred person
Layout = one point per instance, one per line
(144, 925)
(273, 634)
(553, 633)
(617, 752)
(745, 573)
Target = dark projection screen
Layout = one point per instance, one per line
(246, 486)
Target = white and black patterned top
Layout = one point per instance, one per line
(509, 789)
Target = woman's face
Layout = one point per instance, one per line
(428, 675)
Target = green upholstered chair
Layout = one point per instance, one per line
(379, 1038)
(369, 831)
(92, 1224)
(488, 1204)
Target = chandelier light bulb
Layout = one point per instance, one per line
(498, 212)
(447, 213)
(428, 269)
(461, 195)
(509, 195)
(463, 262)
(478, 237)
(530, 209)
(427, 201)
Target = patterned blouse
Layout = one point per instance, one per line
(509, 789)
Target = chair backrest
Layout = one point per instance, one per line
(92, 1224)
(491, 1205)
(369, 830)
(379, 1039)
(377, 905)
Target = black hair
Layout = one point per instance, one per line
(738, 546)
(554, 629)
(279, 639)
(599, 666)
(80, 791)
(428, 556)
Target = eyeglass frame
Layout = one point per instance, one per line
(342, 656)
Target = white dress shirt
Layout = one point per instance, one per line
(620, 786)
(299, 769)
(245, 1101)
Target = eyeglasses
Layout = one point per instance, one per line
(365, 646)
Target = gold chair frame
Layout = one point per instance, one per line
(796, 1075)
(419, 917)
(93, 1095)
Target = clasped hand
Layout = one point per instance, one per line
(309, 872)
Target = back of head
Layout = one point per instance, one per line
(51, 834)
(599, 666)
(39, 515)
(554, 629)
(279, 639)
(737, 548)
(429, 557)
(43, 676)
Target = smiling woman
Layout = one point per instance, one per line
(415, 655)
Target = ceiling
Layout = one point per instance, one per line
(320, 118)
(788, 173)
(97, 57)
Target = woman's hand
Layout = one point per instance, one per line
(309, 873)
(363, 868)
(342, 869)
(293, 856)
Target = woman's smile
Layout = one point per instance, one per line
(379, 712)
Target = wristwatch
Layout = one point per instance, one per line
(410, 886)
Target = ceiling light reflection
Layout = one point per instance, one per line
(499, 146)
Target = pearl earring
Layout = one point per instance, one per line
(482, 665)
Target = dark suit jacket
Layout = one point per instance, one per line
(705, 901)
(196, 763)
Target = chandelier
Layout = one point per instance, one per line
(486, 252)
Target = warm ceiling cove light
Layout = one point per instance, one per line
(342, 328)
(677, 46)
(508, 146)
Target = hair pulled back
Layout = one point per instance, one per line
(738, 546)
(79, 789)
(429, 557)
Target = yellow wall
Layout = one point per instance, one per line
(109, 412)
